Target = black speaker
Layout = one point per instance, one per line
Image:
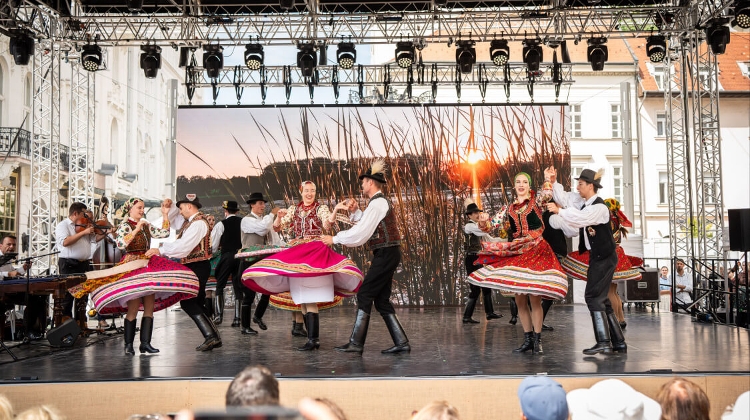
(64, 335)
(739, 230)
(644, 290)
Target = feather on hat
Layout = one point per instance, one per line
(376, 171)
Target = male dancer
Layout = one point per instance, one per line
(227, 236)
(587, 212)
(473, 238)
(192, 248)
(378, 228)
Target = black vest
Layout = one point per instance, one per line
(600, 238)
(554, 237)
(231, 239)
(472, 243)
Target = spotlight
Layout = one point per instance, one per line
(213, 59)
(742, 14)
(306, 59)
(150, 60)
(254, 56)
(499, 52)
(532, 54)
(597, 53)
(22, 48)
(91, 57)
(441, 3)
(405, 54)
(286, 4)
(717, 36)
(656, 48)
(466, 55)
(346, 55)
(134, 5)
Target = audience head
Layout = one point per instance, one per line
(255, 385)
(664, 271)
(681, 399)
(336, 411)
(6, 409)
(542, 399)
(740, 410)
(42, 412)
(611, 399)
(437, 410)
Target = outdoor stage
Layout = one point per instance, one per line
(464, 364)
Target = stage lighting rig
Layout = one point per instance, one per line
(254, 56)
(742, 14)
(150, 60)
(717, 37)
(213, 59)
(306, 59)
(466, 55)
(656, 48)
(21, 48)
(499, 52)
(346, 55)
(134, 6)
(597, 53)
(405, 54)
(91, 57)
(532, 54)
(286, 4)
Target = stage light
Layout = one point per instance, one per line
(346, 55)
(91, 57)
(441, 3)
(466, 55)
(405, 54)
(286, 4)
(134, 5)
(22, 48)
(499, 52)
(742, 14)
(717, 36)
(150, 60)
(532, 54)
(213, 59)
(306, 59)
(254, 56)
(656, 48)
(597, 53)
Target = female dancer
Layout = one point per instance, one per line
(526, 265)
(138, 282)
(309, 270)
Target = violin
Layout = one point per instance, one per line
(85, 221)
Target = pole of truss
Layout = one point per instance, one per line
(81, 164)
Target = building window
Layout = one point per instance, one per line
(617, 178)
(2, 93)
(616, 121)
(8, 207)
(661, 124)
(744, 67)
(707, 82)
(575, 120)
(663, 188)
(659, 77)
(27, 101)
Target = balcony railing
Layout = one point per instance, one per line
(15, 140)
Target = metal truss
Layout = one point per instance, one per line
(82, 119)
(45, 156)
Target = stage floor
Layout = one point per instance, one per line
(442, 346)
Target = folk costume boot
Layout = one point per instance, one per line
(601, 332)
(528, 343)
(129, 336)
(513, 312)
(219, 308)
(245, 319)
(401, 343)
(147, 327)
(469, 311)
(356, 342)
(209, 307)
(236, 322)
(546, 304)
(208, 329)
(489, 310)
(615, 332)
(538, 343)
(312, 319)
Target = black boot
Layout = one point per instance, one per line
(147, 327)
(298, 329)
(401, 343)
(208, 329)
(469, 311)
(236, 322)
(618, 339)
(261, 324)
(538, 343)
(546, 304)
(356, 342)
(209, 307)
(601, 332)
(312, 319)
(528, 343)
(513, 312)
(489, 310)
(245, 319)
(219, 308)
(129, 336)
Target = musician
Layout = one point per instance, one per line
(8, 246)
(36, 312)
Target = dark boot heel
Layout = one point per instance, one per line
(129, 336)
(528, 343)
(147, 328)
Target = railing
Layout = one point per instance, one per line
(15, 142)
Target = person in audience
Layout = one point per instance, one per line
(6, 408)
(542, 398)
(611, 399)
(437, 410)
(255, 385)
(664, 282)
(740, 410)
(336, 411)
(683, 283)
(681, 399)
(42, 412)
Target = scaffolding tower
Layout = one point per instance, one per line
(82, 118)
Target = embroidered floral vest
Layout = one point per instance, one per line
(525, 218)
(386, 233)
(305, 221)
(141, 242)
(202, 251)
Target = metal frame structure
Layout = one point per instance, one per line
(82, 123)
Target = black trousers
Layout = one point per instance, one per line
(598, 280)
(194, 306)
(71, 266)
(474, 290)
(246, 294)
(376, 286)
(227, 266)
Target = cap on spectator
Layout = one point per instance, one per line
(611, 399)
(741, 408)
(542, 399)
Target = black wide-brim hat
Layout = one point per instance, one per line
(192, 199)
(230, 206)
(377, 177)
(589, 176)
(256, 196)
(472, 208)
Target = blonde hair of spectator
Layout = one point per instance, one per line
(437, 410)
(335, 409)
(681, 399)
(42, 412)
(6, 408)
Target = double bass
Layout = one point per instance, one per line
(107, 254)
